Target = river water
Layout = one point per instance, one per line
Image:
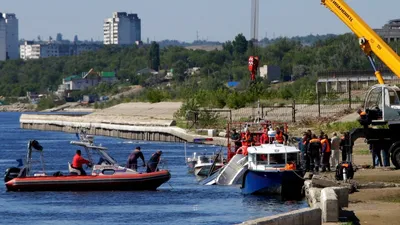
(180, 201)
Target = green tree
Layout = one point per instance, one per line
(154, 56)
(240, 44)
(180, 68)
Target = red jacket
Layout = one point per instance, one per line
(78, 161)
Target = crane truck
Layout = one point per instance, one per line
(381, 122)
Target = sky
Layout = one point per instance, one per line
(214, 20)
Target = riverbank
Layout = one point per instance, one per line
(18, 107)
(139, 121)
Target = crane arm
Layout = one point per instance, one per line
(369, 40)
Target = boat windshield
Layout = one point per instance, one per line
(292, 157)
(277, 159)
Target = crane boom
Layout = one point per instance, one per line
(369, 40)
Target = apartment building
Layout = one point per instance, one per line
(9, 46)
(32, 50)
(122, 29)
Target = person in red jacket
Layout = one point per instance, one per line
(78, 161)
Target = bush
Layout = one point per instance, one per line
(45, 103)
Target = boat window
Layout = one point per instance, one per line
(108, 171)
(262, 158)
(292, 157)
(277, 159)
(204, 159)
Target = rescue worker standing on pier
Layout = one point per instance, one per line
(346, 147)
(314, 153)
(326, 153)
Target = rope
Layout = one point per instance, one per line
(297, 175)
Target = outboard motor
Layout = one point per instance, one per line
(11, 173)
(344, 171)
(35, 144)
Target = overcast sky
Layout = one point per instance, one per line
(217, 20)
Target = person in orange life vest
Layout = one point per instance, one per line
(314, 152)
(326, 153)
(78, 161)
(279, 136)
(247, 138)
(264, 137)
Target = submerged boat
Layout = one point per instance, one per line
(273, 169)
(106, 175)
(203, 165)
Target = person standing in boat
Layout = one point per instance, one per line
(236, 139)
(78, 161)
(279, 137)
(152, 164)
(133, 157)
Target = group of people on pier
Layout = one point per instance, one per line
(324, 152)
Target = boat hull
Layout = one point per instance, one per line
(284, 183)
(123, 182)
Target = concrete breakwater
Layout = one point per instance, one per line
(127, 128)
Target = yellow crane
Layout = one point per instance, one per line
(382, 103)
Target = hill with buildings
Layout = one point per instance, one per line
(213, 78)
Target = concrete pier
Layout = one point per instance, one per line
(147, 130)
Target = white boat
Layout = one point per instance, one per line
(232, 173)
(206, 165)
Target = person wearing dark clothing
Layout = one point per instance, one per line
(346, 147)
(386, 155)
(376, 154)
(236, 138)
(326, 153)
(285, 135)
(152, 164)
(303, 146)
(133, 157)
(314, 153)
(78, 161)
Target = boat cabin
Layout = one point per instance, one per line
(272, 157)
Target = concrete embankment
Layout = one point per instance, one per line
(308, 216)
(147, 130)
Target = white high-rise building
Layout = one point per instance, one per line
(122, 29)
(12, 35)
(9, 35)
(3, 43)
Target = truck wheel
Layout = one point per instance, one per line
(396, 157)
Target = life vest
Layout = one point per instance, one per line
(279, 137)
(264, 138)
(247, 139)
(315, 140)
(290, 166)
(325, 143)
